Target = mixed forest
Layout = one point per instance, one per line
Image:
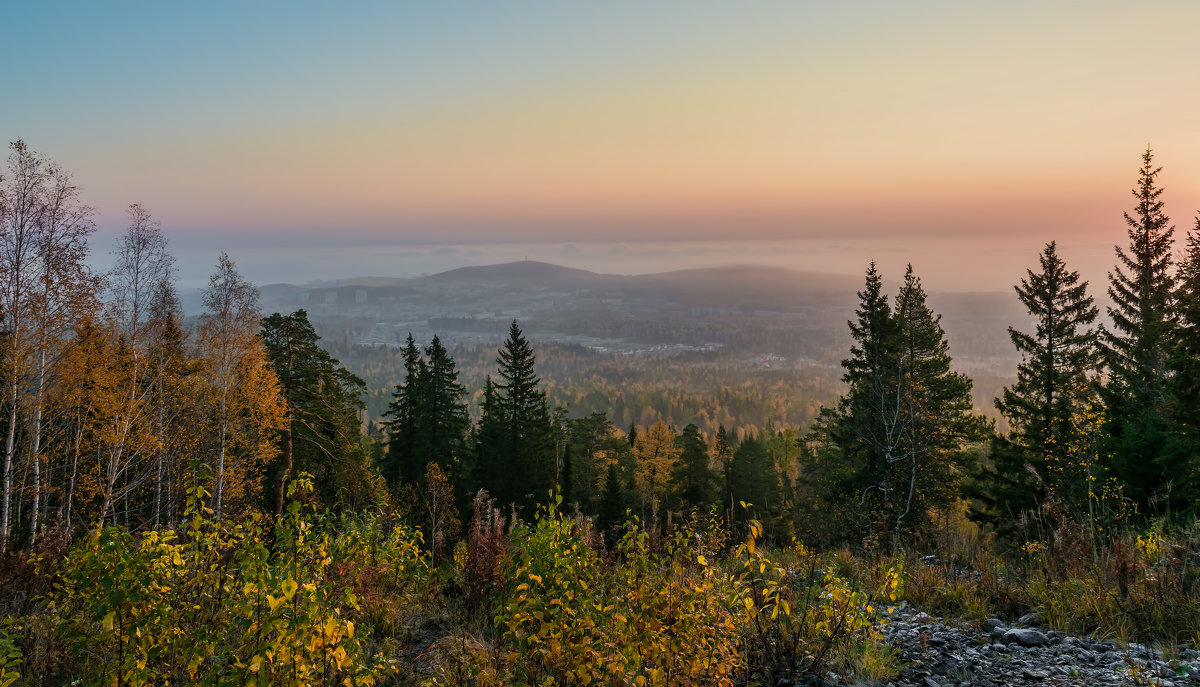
(207, 500)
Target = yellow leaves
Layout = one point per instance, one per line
(289, 587)
(702, 560)
(106, 625)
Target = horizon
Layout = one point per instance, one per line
(438, 137)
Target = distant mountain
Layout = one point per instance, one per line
(745, 286)
(523, 273)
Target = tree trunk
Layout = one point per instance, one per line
(285, 471)
(37, 448)
(9, 449)
(221, 458)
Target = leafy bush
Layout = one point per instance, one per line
(240, 604)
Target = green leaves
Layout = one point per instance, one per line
(222, 607)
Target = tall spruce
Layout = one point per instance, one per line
(869, 428)
(1056, 362)
(1182, 453)
(1137, 349)
(515, 447)
(906, 415)
(402, 463)
(1185, 361)
(937, 409)
(442, 420)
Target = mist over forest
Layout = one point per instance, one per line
(750, 320)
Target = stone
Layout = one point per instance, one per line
(1026, 637)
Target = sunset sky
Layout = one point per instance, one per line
(398, 138)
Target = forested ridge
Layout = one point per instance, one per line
(210, 501)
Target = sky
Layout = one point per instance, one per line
(317, 140)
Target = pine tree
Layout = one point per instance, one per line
(1136, 351)
(1057, 360)
(323, 401)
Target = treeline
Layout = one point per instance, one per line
(706, 388)
(1102, 422)
(112, 410)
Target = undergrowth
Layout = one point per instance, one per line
(313, 599)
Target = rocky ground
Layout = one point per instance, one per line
(938, 653)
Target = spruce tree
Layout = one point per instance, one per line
(906, 415)
(754, 480)
(936, 415)
(694, 482)
(868, 429)
(1185, 361)
(519, 458)
(402, 462)
(1141, 287)
(1057, 360)
(442, 420)
(593, 441)
(612, 500)
(1181, 457)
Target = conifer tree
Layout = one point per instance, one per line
(657, 457)
(612, 499)
(1136, 351)
(594, 442)
(402, 462)
(1182, 453)
(515, 447)
(694, 482)
(869, 428)
(936, 410)
(323, 401)
(1185, 362)
(754, 480)
(905, 415)
(442, 421)
(1057, 360)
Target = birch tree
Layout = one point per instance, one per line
(227, 333)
